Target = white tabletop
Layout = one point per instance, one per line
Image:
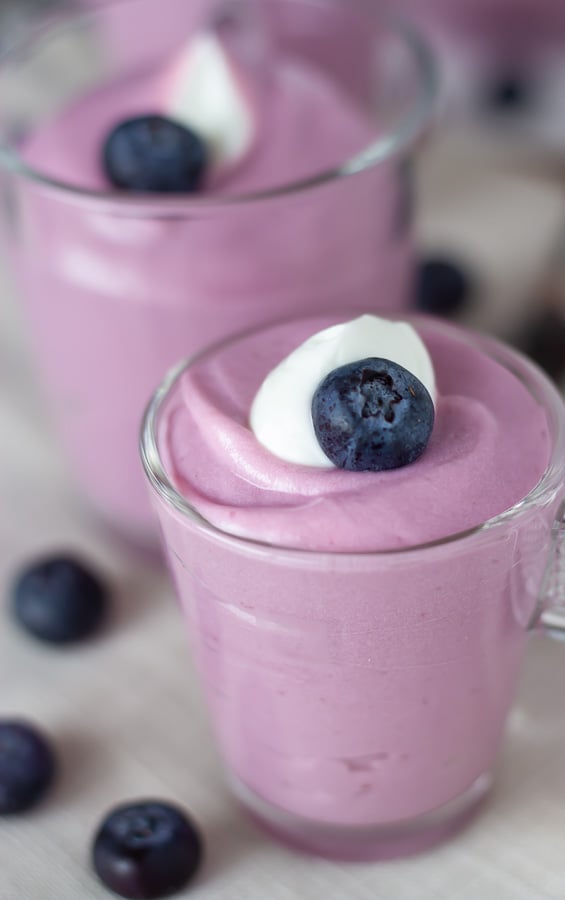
(124, 711)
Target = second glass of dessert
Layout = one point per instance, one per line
(199, 177)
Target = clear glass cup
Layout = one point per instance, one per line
(360, 700)
(118, 287)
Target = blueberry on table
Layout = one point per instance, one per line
(443, 286)
(59, 601)
(27, 766)
(372, 415)
(152, 154)
(509, 92)
(147, 850)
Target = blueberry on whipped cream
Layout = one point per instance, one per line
(152, 154)
(359, 395)
(206, 117)
(372, 415)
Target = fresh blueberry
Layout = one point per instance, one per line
(147, 850)
(372, 415)
(509, 92)
(27, 766)
(443, 286)
(59, 601)
(151, 154)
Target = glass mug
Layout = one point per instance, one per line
(360, 700)
(118, 287)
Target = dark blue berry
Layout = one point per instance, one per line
(59, 601)
(443, 286)
(27, 766)
(509, 92)
(372, 415)
(147, 850)
(151, 154)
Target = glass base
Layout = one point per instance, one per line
(366, 843)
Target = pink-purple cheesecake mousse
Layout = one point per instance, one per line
(353, 686)
(486, 424)
(116, 293)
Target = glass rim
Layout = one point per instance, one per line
(531, 376)
(386, 146)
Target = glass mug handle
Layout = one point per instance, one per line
(550, 615)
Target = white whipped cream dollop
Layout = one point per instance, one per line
(281, 414)
(204, 91)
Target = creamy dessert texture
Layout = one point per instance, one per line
(355, 688)
(140, 286)
(296, 125)
(489, 448)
